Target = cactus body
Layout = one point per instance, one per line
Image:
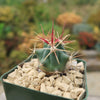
(51, 64)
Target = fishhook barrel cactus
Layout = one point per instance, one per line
(53, 56)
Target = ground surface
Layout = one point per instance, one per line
(93, 80)
(93, 86)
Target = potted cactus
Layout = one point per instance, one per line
(48, 73)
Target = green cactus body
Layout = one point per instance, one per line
(51, 64)
(53, 57)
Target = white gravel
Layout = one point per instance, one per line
(93, 79)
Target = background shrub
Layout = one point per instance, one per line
(82, 28)
(86, 40)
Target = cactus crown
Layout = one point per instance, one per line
(53, 56)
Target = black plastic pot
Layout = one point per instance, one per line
(15, 92)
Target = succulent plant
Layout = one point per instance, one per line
(53, 56)
(77, 28)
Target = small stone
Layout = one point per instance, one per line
(25, 83)
(76, 92)
(67, 95)
(41, 75)
(43, 88)
(81, 94)
(36, 82)
(78, 75)
(66, 79)
(71, 87)
(78, 82)
(72, 72)
(19, 67)
(50, 89)
(33, 73)
(26, 65)
(59, 79)
(62, 86)
(31, 87)
(35, 63)
(74, 62)
(48, 83)
(71, 64)
(37, 88)
(17, 82)
(51, 80)
(57, 92)
(26, 70)
(80, 66)
(71, 77)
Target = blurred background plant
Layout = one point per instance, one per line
(95, 19)
(84, 2)
(21, 21)
(83, 27)
(86, 40)
(68, 19)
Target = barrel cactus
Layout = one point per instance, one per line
(53, 56)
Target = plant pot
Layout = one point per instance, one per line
(15, 92)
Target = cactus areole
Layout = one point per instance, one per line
(53, 56)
